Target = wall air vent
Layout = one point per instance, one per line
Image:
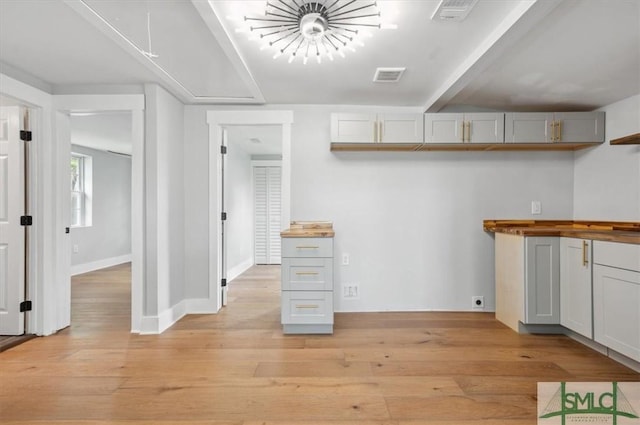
(388, 75)
(453, 10)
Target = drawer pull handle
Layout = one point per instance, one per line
(307, 273)
(307, 306)
(585, 258)
(307, 247)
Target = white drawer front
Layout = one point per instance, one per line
(307, 274)
(307, 247)
(616, 254)
(307, 307)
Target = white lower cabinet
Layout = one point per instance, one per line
(616, 297)
(307, 285)
(575, 286)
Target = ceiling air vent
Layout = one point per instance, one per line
(453, 10)
(388, 75)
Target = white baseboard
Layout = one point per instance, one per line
(163, 321)
(237, 270)
(152, 325)
(100, 264)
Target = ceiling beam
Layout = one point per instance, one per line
(527, 15)
(165, 78)
(220, 33)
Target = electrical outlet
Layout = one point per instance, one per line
(350, 290)
(345, 259)
(477, 302)
(536, 208)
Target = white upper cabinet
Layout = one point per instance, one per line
(353, 128)
(558, 127)
(464, 128)
(400, 128)
(376, 128)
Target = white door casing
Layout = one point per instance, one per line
(12, 234)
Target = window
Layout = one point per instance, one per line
(80, 190)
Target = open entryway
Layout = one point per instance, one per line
(251, 198)
(261, 187)
(100, 208)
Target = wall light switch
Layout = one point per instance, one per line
(536, 207)
(345, 259)
(75, 249)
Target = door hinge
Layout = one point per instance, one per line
(223, 282)
(223, 150)
(223, 216)
(25, 135)
(25, 306)
(26, 220)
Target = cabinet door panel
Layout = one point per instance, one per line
(485, 127)
(575, 286)
(542, 285)
(353, 128)
(581, 126)
(443, 128)
(401, 128)
(616, 309)
(527, 127)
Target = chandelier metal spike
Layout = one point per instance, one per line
(301, 28)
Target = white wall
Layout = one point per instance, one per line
(607, 178)
(164, 186)
(109, 236)
(239, 208)
(411, 222)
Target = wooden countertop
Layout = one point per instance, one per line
(612, 231)
(309, 229)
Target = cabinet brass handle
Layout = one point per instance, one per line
(463, 127)
(306, 273)
(307, 247)
(380, 132)
(375, 132)
(559, 136)
(553, 131)
(585, 248)
(307, 306)
(469, 131)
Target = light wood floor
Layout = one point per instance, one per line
(238, 368)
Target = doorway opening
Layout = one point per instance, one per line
(100, 210)
(221, 123)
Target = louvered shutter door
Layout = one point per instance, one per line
(261, 223)
(274, 210)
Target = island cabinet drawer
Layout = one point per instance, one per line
(307, 307)
(307, 247)
(307, 274)
(615, 254)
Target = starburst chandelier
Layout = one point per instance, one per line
(314, 29)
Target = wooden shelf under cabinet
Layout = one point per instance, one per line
(634, 139)
(414, 147)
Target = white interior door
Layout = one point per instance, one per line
(12, 235)
(267, 214)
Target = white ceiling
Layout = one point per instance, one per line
(105, 131)
(255, 139)
(507, 55)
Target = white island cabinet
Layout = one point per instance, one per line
(307, 279)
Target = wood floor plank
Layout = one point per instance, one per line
(238, 368)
